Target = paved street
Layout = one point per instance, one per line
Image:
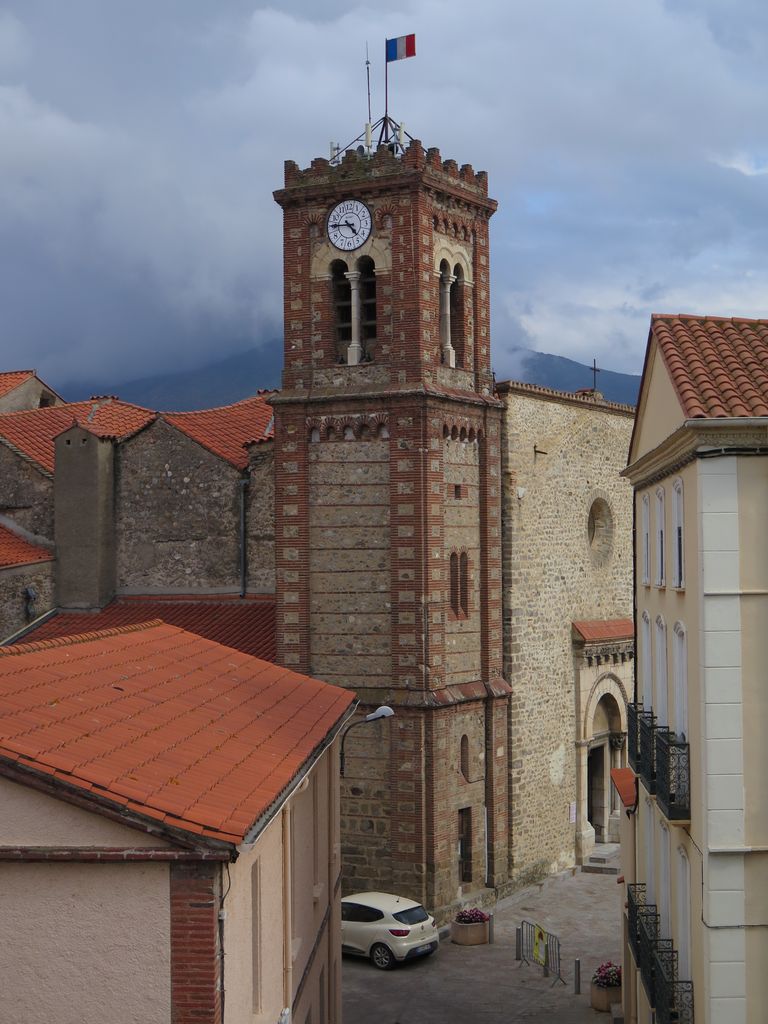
(484, 984)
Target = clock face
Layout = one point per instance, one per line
(349, 224)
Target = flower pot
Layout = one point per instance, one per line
(602, 998)
(469, 934)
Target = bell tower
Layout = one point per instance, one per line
(388, 507)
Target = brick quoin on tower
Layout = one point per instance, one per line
(388, 509)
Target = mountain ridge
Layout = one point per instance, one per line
(240, 375)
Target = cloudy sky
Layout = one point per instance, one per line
(140, 141)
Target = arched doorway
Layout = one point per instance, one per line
(605, 745)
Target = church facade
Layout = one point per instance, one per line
(457, 550)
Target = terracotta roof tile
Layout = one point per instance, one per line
(718, 365)
(218, 756)
(12, 379)
(595, 630)
(14, 550)
(227, 430)
(32, 431)
(626, 785)
(247, 624)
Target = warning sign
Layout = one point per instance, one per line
(539, 944)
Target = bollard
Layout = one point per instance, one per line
(490, 927)
(577, 977)
(518, 943)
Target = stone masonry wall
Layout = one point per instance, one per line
(461, 533)
(177, 510)
(349, 571)
(554, 574)
(26, 494)
(261, 521)
(13, 582)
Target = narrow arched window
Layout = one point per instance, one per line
(661, 568)
(367, 270)
(463, 583)
(680, 671)
(677, 535)
(454, 582)
(660, 703)
(464, 757)
(456, 304)
(342, 308)
(646, 668)
(646, 541)
(445, 277)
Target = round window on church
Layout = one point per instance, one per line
(600, 530)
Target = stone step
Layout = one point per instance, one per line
(617, 1013)
(599, 869)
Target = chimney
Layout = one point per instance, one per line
(84, 519)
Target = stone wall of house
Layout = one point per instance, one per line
(562, 457)
(26, 494)
(177, 515)
(13, 602)
(261, 520)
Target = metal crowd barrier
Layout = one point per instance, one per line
(540, 947)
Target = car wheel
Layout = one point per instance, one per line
(382, 957)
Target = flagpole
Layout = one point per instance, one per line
(386, 94)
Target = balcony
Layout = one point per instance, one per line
(656, 960)
(672, 776)
(673, 998)
(633, 736)
(646, 754)
(635, 903)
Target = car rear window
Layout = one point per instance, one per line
(414, 915)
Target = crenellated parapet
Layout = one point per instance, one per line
(356, 167)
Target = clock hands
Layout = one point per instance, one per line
(345, 224)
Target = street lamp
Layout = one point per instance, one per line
(383, 712)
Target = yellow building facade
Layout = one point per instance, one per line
(695, 836)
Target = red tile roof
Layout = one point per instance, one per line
(595, 630)
(247, 624)
(12, 379)
(14, 550)
(32, 431)
(227, 430)
(718, 365)
(166, 723)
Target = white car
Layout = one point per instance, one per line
(386, 928)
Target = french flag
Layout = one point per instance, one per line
(403, 46)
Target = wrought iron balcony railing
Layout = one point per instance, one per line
(633, 736)
(673, 776)
(647, 769)
(635, 901)
(647, 938)
(673, 998)
(656, 959)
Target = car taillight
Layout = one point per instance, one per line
(399, 931)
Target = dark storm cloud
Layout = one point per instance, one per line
(140, 144)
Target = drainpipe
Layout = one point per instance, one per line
(244, 482)
(285, 1016)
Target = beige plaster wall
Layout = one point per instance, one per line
(659, 413)
(253, 934)
(253, 937)
(85, 943)
(30, 818)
